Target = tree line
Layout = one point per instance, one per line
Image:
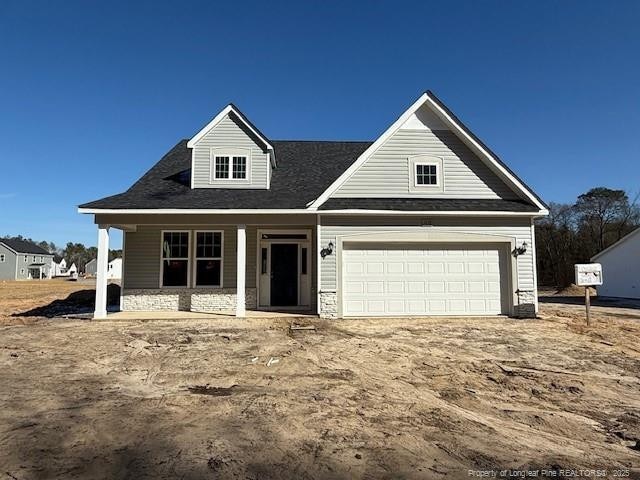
(76, 253)
(573, 233)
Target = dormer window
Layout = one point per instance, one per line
(229, 166)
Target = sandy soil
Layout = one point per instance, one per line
(402, 398)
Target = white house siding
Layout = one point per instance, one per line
(386, 172)
(621, 269)
(141, 270)
(519, 229)
(229, 133)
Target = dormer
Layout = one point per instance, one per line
(230, 152)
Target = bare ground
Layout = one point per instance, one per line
(401, 398)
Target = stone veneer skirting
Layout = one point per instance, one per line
(328, 305)
(526, 307)
(185, 299)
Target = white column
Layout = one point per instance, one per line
(101, 272)
(241, 265)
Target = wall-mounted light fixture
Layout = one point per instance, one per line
(520, 250)
(327, 251)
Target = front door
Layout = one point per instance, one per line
(284, 274)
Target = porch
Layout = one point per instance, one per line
(212, 268)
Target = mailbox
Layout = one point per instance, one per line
(588, 274)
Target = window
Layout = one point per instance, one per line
(239, 167)
(263, 261)
(22, 271)
(26, 258)
(303, 267)
(426, 174)
(232, 164)
(175, 259)
(208, 269)
(1, 257)
(221, 167)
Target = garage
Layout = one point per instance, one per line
(387, 279)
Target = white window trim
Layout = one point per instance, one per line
(229, 152)
(162, 259)
(426, 160)
(196, 258)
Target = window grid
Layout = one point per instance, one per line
(239, 167)
(208, 261)
(426, 174)
(175, 259)
(222, 167)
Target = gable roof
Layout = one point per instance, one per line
(461, 130)
(23, 246)
(627, 237)
(232, 110)
(306, 169)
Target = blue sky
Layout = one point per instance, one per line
(93, 93)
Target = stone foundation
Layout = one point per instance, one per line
(185, 299)
(328, 305)
(526, 306)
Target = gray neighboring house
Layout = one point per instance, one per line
(22, 260)
(424, 220)
(91, 268)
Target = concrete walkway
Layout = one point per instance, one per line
(173, 315)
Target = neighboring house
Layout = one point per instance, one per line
(90, 268)
(60, 267)
(22, 260)
(73, 270)
(425, 220)
(621, 267)
(114, 269)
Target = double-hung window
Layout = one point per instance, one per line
(232, 165)
(208, 262)
(175, 259)
(2, 257)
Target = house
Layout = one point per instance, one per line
(91, 267)
(60, 267)
(114, 269)
(23, 260)
(621, 267)
(72, 271)
(424, 220)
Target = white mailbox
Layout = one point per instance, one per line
(588, 274)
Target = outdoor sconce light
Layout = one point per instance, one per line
(520, 250)
(327, 251)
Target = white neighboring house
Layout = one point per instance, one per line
(73, 270)
(114, 271)
(621, 267)
(60, 268)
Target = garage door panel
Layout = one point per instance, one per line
(384, 281)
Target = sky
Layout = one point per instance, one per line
(93, 93)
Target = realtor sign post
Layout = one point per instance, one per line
(588, 275)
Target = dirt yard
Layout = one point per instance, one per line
(403, 398)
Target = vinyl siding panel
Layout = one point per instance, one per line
(333, 227)
(228, 133)
(386, 173)
(8, 267)
(142, 256)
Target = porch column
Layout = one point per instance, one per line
(241, 265)
(102, 265)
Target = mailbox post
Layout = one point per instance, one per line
(588, 275)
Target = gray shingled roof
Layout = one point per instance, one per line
(22, 246)
(305, 170)
(428, 204)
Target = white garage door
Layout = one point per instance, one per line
(451, 279)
